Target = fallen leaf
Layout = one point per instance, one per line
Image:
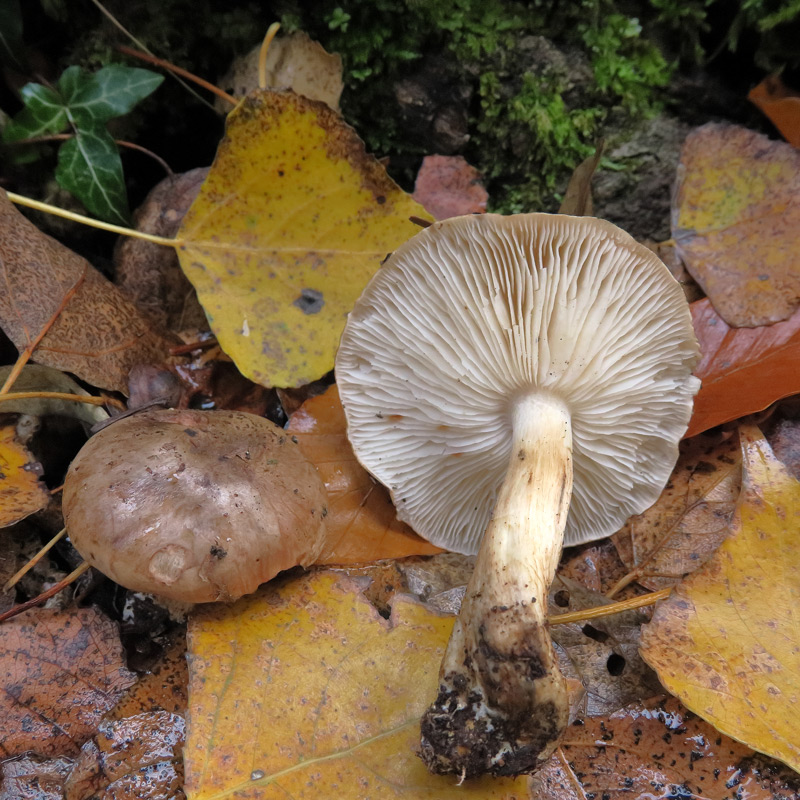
(447, 186)
(303, 690)
(21, 491)
(691, 518)
(38, 378)
(596, 566)
(150, 274)
(781, 104)
(32, 778)
(659, 751)
(743, 370)
(137, 757)
(292, 221)
(98, 334)
(785, 443)
(735, 221)
(60, 671)
(362, 522)
(293, 62)
(725, 642)
(578, 196)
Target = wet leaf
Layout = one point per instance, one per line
(32, 778)
(690, 519)
(743, 370)
(448, 186)
(60, 671)
(98, 334)
(291, 222)
(136, 757)
(735, 220)
(38, 378)
(781, 104)
(362, 523)
(658, 751)
(304, 690)
(725, 642)
(21, 491)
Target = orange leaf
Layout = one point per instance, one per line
(362, 523)
(447, 186)
(781, 104)
(21, 492)
(743, 370)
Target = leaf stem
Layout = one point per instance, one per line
(262, 54)
(53, 590)
(92, 223)
(611, 608)
(33, 561)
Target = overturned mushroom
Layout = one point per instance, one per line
(517, 383)
(194, 505)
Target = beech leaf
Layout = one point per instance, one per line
(290, 224)
(303, 690)
(735, 221)
(725, 642)
(362, 522)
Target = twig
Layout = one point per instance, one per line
(53, 590)
(74, 398)
(14, 579)
(612, 608)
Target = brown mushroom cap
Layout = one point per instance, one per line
(194, 505)
(475, 312)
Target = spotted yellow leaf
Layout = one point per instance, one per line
(21, 491)
(291, 222)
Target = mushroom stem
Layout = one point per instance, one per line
(502, 702)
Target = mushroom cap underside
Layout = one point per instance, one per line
(475, 312)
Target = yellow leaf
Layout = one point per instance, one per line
(21, 492)
(292, 221)
(303, 690)
(726, 642)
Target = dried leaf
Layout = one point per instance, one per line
(304, 690)
(658, 751)
(60, 671)
(98, 334)
(138, 757)
(725, 642)
(578, 197)
(21, 491)
(448, 186)
(743, 370)
(291, 222)
(681, 531)
(781, 104)
(362, 522)
(294, 62)
(735, 221)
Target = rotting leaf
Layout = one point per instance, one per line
(362, 522)
(304, 690)
(60, 671)
(735, 221)
(691, 518)
(448, 186)
(21, 491)
(97, 334)
(292, 221)
(658, 750)
(743, 370)
(725, 642)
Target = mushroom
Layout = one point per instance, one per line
(194, 505)
(518, 383)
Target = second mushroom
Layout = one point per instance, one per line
(518, 383)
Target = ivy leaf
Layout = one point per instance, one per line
(89, 166)
(44, 113)
(93, 99)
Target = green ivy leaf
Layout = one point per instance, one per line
(89, 166)
(44, 113)
(93, 99)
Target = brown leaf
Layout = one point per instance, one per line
(735, 222)
(681, 531)
(743, 370)
(578, 197)
(32, 778)
(658, 751)
(362, 523)
(781, 104)
(597, 566)
(21, 491)
(138, 757)
(150, 273)
(447, 186)
(98, 335)
(60, 671)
